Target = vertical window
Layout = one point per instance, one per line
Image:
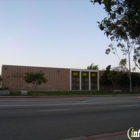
(93, 80)
(85, 80)
(75, 80)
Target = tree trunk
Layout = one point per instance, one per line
(130, 81)
(35, 90)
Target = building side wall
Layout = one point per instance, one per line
(13, 78)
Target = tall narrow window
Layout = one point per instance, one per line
(75, 80)
(85, 80)
(93, 80)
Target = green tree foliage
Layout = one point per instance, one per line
(115, 78)
(135, 79)
(35, 78)
(113, 49)
(126, 51)
(119, 79)
(123, 18)
(122, 23)
(136, 56)
(104, 78)
(93, 67)
(124, 80)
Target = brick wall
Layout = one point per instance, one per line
(58, 78)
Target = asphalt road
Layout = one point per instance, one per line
(60, 118)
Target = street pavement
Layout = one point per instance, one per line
(72, 118)
(113, 136)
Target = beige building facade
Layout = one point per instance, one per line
(59, 79)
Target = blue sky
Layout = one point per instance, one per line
(53, 33)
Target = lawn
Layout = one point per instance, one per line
(70, 93)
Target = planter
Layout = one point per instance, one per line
(117, 90)
(24, 92)
(4, 92)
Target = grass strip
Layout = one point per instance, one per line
(67, 93)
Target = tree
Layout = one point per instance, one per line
(115, 78)
(135, 79)
(124, 80)
(136, 56)
(126, 51)
(113, 49)
(123, 23)
(36, 78)
(123, 18)
(104, 78)
(93, 67)
(111, 77)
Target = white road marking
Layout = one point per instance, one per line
(14, 105)
(56, 110)
(52, 104)
(81, 103)
(129, 105)
(65, 104)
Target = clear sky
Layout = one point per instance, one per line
(53, 33)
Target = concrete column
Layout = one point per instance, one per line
(89, 80)
(98, 80)
(80, 75)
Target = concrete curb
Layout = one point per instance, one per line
(70, 96)
(61, 96)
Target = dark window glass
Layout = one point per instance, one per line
(93, 80)
(75, 80)
(85, 80)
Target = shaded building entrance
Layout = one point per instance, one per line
(84, 80)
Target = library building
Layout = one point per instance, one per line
(59, 79)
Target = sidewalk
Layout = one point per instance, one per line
(113, 136)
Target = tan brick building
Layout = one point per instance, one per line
(58, 78)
